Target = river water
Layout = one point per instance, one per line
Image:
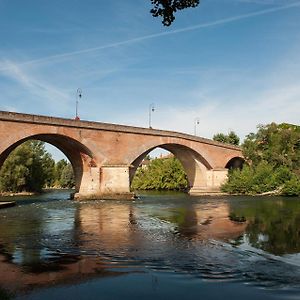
(162, 245)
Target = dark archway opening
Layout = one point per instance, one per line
(235, 163)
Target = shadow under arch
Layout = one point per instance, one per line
(193, 163)
(235, 163)
(77, 153)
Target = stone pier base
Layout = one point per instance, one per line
(200, 191)
(214, 179)
(101, 196)
(113, 182)
(108, 182)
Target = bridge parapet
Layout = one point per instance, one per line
(82, 124)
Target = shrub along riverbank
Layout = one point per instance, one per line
(272, 163)
(161, 174)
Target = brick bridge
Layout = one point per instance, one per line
(105, 156)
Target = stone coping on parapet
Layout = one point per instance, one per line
(47, 120)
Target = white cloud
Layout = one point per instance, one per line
(35, 87)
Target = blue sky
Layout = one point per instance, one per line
(231, 63)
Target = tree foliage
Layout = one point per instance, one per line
(167, 8)
(161, 174)
(67, 177)
(273, 157)
(28, 168)
(64, 174)
(230, 138)
(278, 145)
(59, 167)
(31, 168)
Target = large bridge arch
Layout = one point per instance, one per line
(81, 157)
(194, 164)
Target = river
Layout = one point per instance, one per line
(162, 245)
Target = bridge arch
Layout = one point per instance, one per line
(80, 157)
(236, 162)
(194, 164)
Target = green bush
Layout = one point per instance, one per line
(292, 187)
(161, 174)
(260, 179)
(273, 157)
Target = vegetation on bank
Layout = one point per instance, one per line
(272, 162)
(30, 168)
(161, 174)
(5, 294)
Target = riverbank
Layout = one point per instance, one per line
(6, 204)
(46, 190)
(11, 194)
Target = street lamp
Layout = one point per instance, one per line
(151, 109)
(196, 122)
(78, 96)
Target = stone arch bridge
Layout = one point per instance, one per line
(105, 156)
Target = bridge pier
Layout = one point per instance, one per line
(113, 182)
(214, 179)
(107, 182)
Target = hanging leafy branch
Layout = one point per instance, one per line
(167, 8)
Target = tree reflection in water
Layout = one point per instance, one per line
(273, 225)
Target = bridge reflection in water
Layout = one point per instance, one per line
(45, 244)
(66, 242)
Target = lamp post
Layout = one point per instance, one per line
(78, 96)
(196, 122)
(151, 109)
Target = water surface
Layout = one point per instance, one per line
(161, 245)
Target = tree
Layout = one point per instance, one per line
(167, 8)
(233, 139)
(28, 168)
(67, 177)
(48, 165)
(277, 144)
(59, 166)
(230, 138)
(273, 157)
(161, 174)
(220, 137)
